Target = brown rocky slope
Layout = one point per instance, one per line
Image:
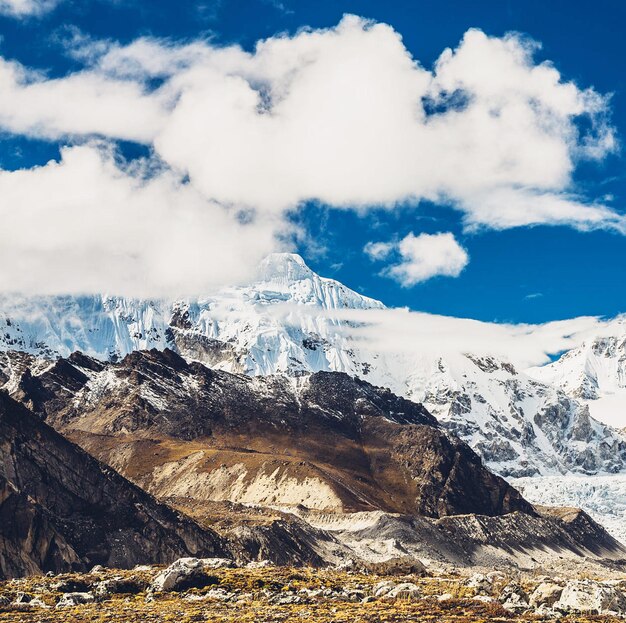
(61, 509)
(363, 473)
(329, 441)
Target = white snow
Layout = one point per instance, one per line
(603, 497)
(595, 372)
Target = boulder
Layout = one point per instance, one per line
(72, 585)
(481, 583)
(69, 600)
(406, 591)
(23, 602)
(590, 597)
(398, 566)
(514, 598)
(120, 586)
(259, 564)
(546, 593)
(188, 573)
(382, 588)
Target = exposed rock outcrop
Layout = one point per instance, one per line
(327, 441)
(61, 509)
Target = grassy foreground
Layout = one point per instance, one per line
(259, 595)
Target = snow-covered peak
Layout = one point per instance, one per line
(283, 268)
(519, 425)
(286, 277)
(595, 373)
(256, 322)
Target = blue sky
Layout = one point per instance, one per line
(518, 274)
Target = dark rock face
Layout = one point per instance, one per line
(448, 476)
(192, 436)
(373, 449)
(60, 509)
(162, 393)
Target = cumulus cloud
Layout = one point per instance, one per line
(26, 8)
(85, 103)
(343, 115)
(89, 223)
(420, 258)
(379, 250)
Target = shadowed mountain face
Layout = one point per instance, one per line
(61, 509)
(327, 442)
(224, 449)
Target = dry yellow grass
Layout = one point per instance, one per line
(256, 593)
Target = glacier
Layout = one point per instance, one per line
(603, 497)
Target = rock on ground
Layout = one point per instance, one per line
(188, 573)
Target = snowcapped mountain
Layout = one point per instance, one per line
(594, 373)
(249, 329)
(520, 425)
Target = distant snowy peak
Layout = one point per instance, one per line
(595, 373)
(520, 425)
(285, 276)
(248, 328)
(596, 367)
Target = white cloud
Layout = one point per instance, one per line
(339, 116)
(343, 115)
(379, 250)
(404, 333)
(26, 8)
(421, 257)
(84, 103)
(89, 223)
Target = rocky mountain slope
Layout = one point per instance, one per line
(520, 426)
(279, 324)
(318, 470)
(325, 441)
(60, 509)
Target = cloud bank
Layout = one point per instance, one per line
(238, 140)
(91, 224)
(408, 334)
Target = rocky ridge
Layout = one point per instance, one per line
(307, 453)
(327, 441)
(60, 509)
(282, 323)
